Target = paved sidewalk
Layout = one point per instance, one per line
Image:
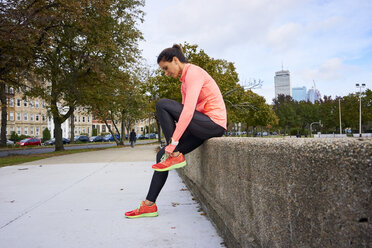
(79, 201)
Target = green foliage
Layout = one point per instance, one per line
(294, 131)
(299, 115)
(14, 137)
(46, 135)
(86, 134)
(84, 48)
(94, 132)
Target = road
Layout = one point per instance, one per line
(46, 149)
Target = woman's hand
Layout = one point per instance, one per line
(169, 149)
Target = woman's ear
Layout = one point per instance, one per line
(176, 60)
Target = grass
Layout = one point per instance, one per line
(19, 159)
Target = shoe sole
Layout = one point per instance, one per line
(175, 166)
(143, 215)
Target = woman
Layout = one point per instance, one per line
(201, 116)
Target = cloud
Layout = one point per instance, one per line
(219, 24)
(330, 70)
(328, 41)
(284, 37)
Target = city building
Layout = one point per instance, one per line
(299, 93)
(25, 116)
(29, 116)
(101, 126)
(282, 82)
(82, 123)
(313, 95)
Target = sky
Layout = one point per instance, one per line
(323, 43)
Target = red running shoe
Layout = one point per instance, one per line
(143, 211)
(170, 163)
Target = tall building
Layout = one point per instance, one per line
(299, 93)
(313, 95)
(282, 81)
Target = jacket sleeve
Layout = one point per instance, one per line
(193, 84)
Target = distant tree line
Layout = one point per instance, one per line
(295, 117)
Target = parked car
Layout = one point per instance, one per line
(96, 139)
(141, 136)
(109, 137)
(82, 138)
(53, 141)
(150, 136)
(9, 142)
(30, 142)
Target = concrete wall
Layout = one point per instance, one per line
(285, 192)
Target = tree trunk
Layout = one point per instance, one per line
(3, 115)
(159, 129)
(58, 134)
(122, 132)
(72, 127)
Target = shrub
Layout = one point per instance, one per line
(294, 131)
(94, 132)
(14, 137)
(46, 135)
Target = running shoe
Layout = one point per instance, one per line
(143, 211)
(170, 163)
(163, 158)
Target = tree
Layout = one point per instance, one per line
(123, 104)
(21, 25)
(284, 108)
(86, 43)
(367, 107)
(350, 111)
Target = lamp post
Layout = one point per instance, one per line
(360, 86)
(339, 113)
(311, 127)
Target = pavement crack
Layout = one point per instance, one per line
(42, 202)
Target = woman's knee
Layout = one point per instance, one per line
(162, 103)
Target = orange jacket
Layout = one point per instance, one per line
(199, 92)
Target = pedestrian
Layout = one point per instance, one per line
(201, 116)
(132, 138)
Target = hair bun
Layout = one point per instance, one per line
(178, 47)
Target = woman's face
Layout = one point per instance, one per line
(172, 69)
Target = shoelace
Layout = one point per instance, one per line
(138, 209)
(163, 158)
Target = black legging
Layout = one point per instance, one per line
(200, 129)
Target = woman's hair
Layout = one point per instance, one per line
(168, 53)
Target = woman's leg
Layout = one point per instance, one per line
(201, 126)
(200, 129)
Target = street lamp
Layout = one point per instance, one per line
(360, 86)
(311, 127)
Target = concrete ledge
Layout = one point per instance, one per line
(285, 192)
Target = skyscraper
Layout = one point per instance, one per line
(299, 93)
(282, 81)
(313, 95)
